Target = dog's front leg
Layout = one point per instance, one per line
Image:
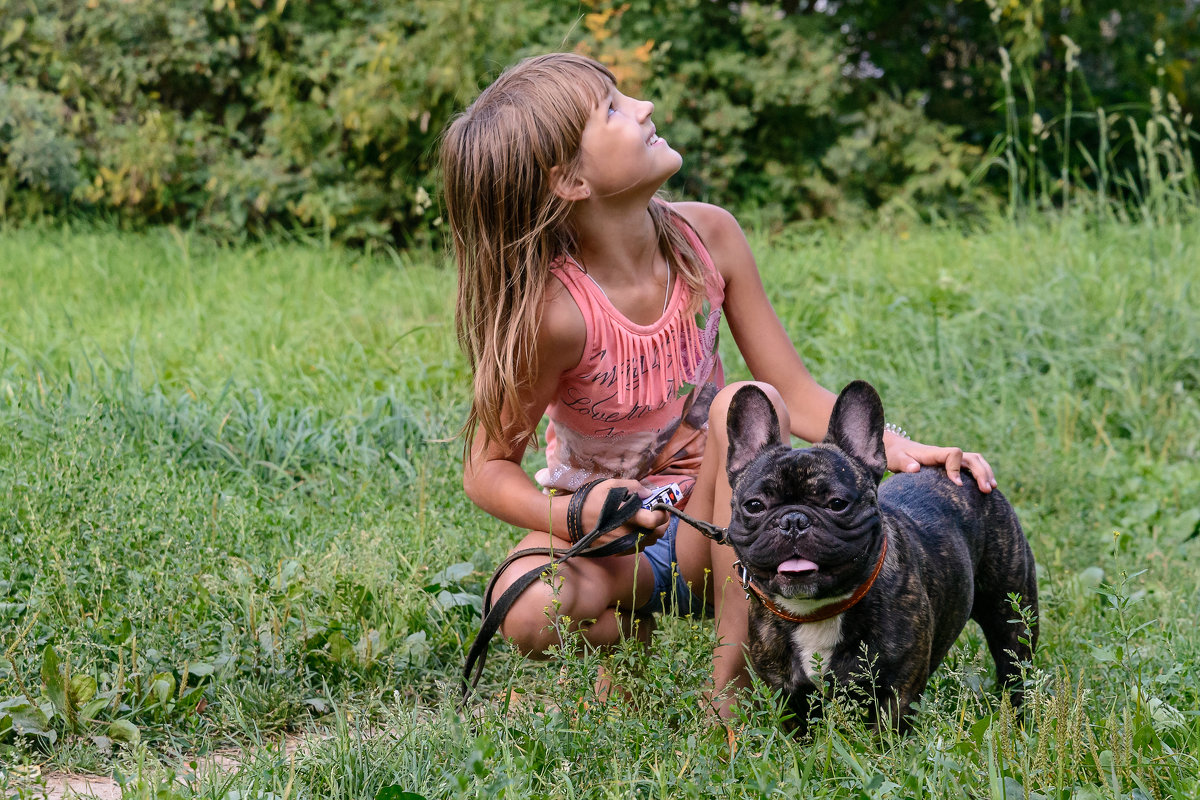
(803, 707)
(889, 683)
(896, 705)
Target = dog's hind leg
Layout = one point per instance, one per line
(1009, 627)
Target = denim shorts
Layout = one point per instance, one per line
(671, 592)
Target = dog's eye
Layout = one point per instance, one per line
(838, 504)
(754, 506)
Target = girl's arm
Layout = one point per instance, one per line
(492, 474)
(772, 358)
(760, 336)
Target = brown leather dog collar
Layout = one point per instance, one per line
(824, 612)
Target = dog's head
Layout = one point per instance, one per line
(805, 522)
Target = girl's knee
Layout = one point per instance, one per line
(532, 624)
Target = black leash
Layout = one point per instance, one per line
(619, 506)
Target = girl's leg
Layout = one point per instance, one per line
(606, 590)
(704, 563)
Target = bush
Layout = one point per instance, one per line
(243, 116)
(771, 115)
(39, 154)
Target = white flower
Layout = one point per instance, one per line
(1072, 53)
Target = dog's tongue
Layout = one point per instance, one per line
(797, 565)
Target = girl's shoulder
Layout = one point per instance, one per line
(719, 231)
(563, 331)
(708, 220)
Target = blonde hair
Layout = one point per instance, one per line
(509, 227)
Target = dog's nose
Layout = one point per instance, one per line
(795, 521)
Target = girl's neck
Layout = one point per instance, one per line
(616, 247)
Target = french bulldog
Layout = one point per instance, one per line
(862, 585)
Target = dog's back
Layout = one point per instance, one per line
(964, 529)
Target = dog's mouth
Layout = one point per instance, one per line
(796, 578)
(796, 567)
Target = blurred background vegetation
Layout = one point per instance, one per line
(242, 117)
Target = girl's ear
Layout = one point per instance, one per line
(569, 187)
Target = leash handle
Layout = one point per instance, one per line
(619, 507)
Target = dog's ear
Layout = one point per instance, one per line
(856, 426)
(752, 425)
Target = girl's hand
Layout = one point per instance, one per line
(652, 522)
(905, 455)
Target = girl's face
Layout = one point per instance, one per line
(620, 152)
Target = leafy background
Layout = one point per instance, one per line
(241, 117)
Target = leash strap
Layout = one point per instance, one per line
(619, 506)
(575, 511)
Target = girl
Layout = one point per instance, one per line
(584, 297)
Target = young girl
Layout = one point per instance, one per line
(584, 297)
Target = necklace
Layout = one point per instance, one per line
(666, 299)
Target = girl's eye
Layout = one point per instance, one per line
(838, 504)
(611, 109)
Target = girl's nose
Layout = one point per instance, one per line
(645, 109)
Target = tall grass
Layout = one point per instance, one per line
(1091, 172)
(229, 513)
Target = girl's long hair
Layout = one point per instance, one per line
(509, 227)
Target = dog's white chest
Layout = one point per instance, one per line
(814, 643)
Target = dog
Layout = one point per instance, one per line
(862, 585)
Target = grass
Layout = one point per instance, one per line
(230, 510)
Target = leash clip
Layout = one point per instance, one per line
(745, 576)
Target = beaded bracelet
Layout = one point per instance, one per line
(892, 427)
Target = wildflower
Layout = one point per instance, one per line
(1108, 27)
(1005, 65)
(422, 200)
(1072, 54)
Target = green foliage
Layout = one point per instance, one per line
(950, 50)
(40, 155)
(241, 117)
(769, 115)
(897, 161)
(237, 117)
(1097, 100)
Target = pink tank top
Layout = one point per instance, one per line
(636, 405)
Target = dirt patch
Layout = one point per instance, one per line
(68, 786)
(59, 787)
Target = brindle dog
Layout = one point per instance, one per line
(868, 583)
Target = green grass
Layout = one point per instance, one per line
(230, 509)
